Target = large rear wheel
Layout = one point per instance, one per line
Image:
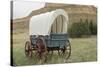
(41, 49)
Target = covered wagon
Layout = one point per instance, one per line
(48, 33)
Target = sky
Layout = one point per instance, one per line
(24, 8)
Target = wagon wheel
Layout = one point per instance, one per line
(28, 49)
(41, 49)
(66, 51)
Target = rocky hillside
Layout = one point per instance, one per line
(75, 13)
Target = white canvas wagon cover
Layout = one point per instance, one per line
(41, 24)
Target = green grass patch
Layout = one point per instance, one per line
(82, 50)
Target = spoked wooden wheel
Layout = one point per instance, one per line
(66, 51)
(41, 50)
(28, 49)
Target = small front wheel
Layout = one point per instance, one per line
(66, 50)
